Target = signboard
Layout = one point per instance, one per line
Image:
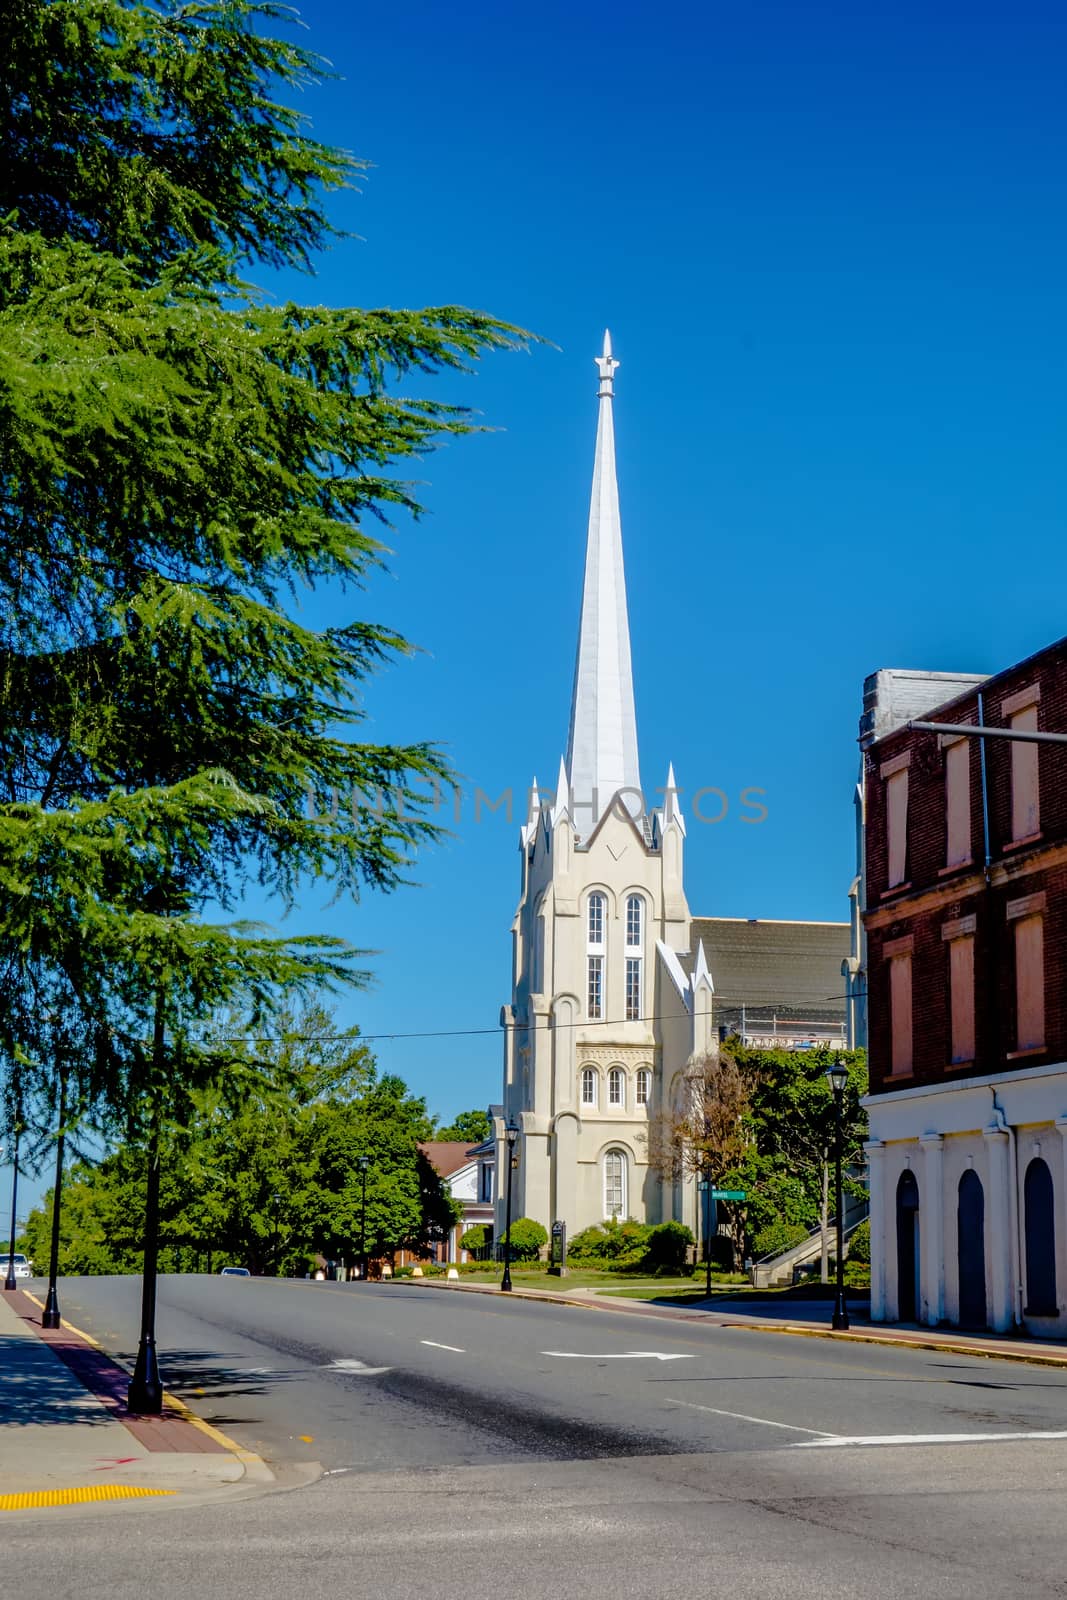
(557, 1249)
(729, 1194)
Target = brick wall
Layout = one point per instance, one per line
(933, 896)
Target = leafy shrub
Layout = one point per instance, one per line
(777, 1237)
(667, 1247)
(475, 1238)
(859, 1246)
(612, 1244)
(587, 1245)
(527, 1239)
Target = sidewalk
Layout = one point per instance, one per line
(808, 1319)
(66, 1437)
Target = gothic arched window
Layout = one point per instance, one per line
(635, 909)
(614, 1183)
(588, 1086)
(594, 995)
(635, 916)
(616, 1087)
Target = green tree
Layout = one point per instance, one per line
(470, 1127)
(182, 465)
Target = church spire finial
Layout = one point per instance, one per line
(605, 365)
(602, 748)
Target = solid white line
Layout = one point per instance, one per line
(436, 1346)
(838, 1441)
(765, 1422)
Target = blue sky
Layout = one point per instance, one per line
(830, 241)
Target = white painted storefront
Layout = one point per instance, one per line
(968, 1189)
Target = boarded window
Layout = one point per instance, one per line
(958, 803)
(900, 1013)
(1030, 983)
(961, 991)
(1025, 810)
(896, 798)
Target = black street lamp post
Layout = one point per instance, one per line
(145, 1392)
(50, 1317)
(9, 1281)
(364, 1163)
(276, 1201)
(511, 1133)
(837, 1076)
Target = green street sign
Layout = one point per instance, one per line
(729, 1194)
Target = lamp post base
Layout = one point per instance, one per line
(839, 1320)
(145, 1393)
(50, 1317)
(9, 1281)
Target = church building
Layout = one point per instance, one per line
(614, 984)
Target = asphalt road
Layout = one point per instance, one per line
(475, 1446)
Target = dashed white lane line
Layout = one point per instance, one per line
(434, 1345)
(764, 1422)
(838, 1441)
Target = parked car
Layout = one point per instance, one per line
(23, 1266)
(235, 1272)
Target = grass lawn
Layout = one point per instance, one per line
(609, 1282)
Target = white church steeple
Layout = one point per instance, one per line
(602, 747)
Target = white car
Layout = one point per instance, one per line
(23, 1266)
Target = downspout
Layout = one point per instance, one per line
(1004, 1125)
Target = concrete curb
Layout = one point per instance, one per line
(988, 1350)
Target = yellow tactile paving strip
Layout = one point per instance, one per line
(34, 1499)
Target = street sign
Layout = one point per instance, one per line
(729, 1194)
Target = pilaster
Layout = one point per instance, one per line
(881, 1232)
(932, 1230)
(998, 1212)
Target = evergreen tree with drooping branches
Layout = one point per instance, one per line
(183, 466)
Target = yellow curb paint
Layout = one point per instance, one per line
(35, 1499)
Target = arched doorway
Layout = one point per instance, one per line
(1040, 1226)
(970, 1234)
(907, 1247)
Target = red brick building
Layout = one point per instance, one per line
(965, 868)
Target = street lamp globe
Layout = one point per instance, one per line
(837, 1076)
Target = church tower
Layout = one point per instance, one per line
(606, 1005)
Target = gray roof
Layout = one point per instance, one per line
(792, 968)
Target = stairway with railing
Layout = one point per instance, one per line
(772, 1272)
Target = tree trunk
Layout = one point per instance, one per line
(824, 1222)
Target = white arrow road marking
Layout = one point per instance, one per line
(765, 1422)
(629, 1355)
(434, 1345)
(839, 1440)
(358, 1369)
